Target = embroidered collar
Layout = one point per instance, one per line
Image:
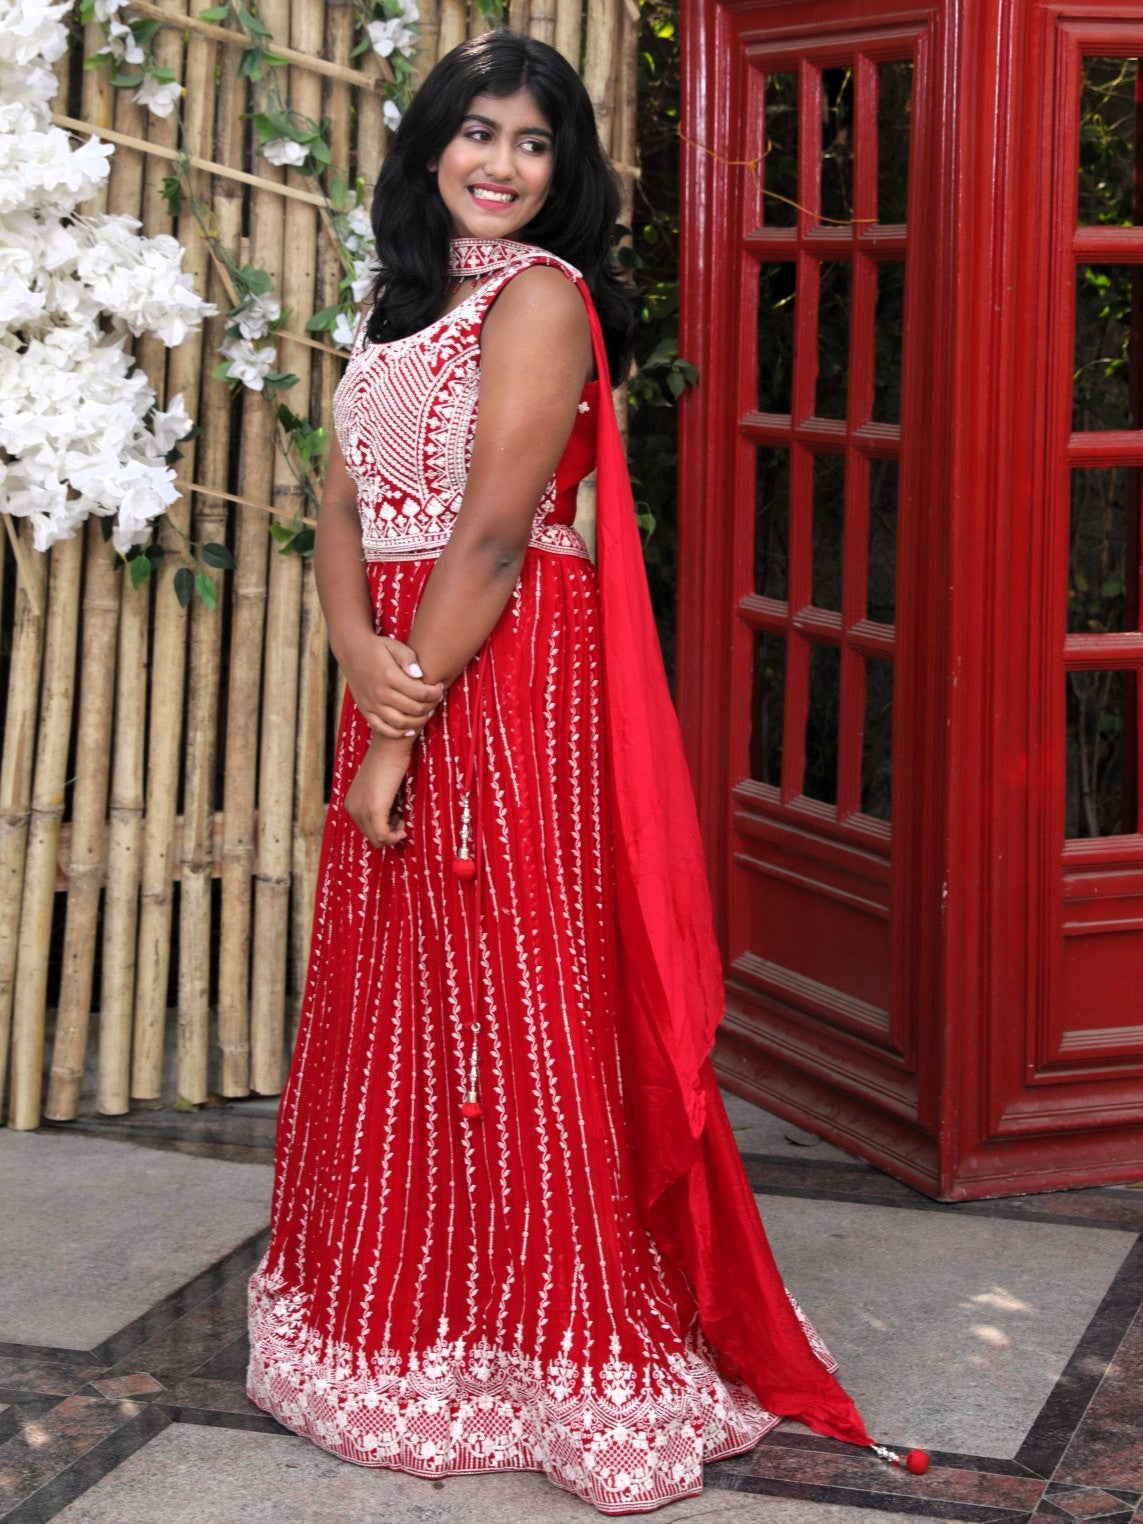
(469, 257)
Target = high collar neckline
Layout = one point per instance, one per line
(482, 256)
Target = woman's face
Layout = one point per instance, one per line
(495, 174)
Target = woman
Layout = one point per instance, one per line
(510, 1226)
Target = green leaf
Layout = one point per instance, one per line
(215, 14)
(250, 62)
(338, 191)
(280, 381)
(138, 569)
(206, 590)
(144, 28)
(256, 282)
(182, 1104)
(126, 81)
(218, 556)
(281, 534)
(97, 60)
(86, 11)
(221, 372)
(319, 152)
(323, 321)
(184, 586)
(676, 385)
(253, 23)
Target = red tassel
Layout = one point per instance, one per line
(473, 1110)
(917, 1461)
(464, 869)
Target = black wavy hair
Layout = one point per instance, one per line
(412, 226)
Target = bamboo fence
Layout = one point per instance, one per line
(164, 769)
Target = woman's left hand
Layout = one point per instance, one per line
(372, 798)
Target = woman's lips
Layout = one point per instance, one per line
(492, 196)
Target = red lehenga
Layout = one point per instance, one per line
(578, 1281)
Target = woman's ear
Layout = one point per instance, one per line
(432, 165)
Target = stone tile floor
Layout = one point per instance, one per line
(1005, 1336)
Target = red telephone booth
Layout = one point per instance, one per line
(910, 637)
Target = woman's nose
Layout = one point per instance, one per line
(499, 159)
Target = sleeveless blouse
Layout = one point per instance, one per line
(406, 412)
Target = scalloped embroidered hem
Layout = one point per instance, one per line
(457, 1410)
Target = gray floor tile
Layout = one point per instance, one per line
(951, 1329)
(95, 1233)
(757, 1132)
(190, 1475)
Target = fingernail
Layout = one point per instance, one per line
(410, 732)
(414, 670)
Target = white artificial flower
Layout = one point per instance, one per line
(284, 151)
(392, 36)
(362, 283)
(344, 331)
(31, 31)
(123, 44)
(171, 425)
(391, 113)
(160, 99)
(256, 317)
(107, 10)
(248, 364)
(360, 225)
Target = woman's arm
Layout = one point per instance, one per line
(376, 667)
(535, 357)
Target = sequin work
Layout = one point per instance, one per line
(442, 1297)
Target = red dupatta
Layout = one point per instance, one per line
(692, 1190)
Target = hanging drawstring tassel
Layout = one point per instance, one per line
(917, 1461)
(465, 871)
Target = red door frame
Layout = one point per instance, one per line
(968, 1092)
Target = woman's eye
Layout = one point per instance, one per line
(534, 145)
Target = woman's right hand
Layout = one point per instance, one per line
(385, 680)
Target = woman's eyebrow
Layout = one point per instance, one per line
(522, 132)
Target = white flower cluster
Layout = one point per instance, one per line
(397, 34)
(356, 234)
(248, 361)
(79, 429)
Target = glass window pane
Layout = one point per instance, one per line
(894, 130)
(888, 336)
(766, 710)
(771, 523)
(822, 724)
(1106, 298)
(833, 339)
(1100, 795)
(837, 144)
(775, 336)
(877, 740)
(780, 166)
(881, 596)
(829, 516)
(1103, 563)
(1108, 146)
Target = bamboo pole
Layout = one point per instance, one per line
(598, 66)
(87, 851)
(125, 812)
(16, 768)
(169, 650)
(519, 15)
(274, 870)
(429, 27)
(313, 62)
(569, 31)
(372, 134)
(244, 677)
(453, 25)
(542, 21)
(166, 152)
(205, 659)
(46, 813)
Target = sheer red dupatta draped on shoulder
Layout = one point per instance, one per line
(693, 1193)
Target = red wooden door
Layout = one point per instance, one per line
(910, 576)
(817, 150)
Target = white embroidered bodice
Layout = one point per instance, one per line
(405, 414)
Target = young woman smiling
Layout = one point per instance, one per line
(511, 1229)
